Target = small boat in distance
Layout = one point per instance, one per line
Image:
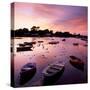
(29, 43)
(76, 62)
(84, 39)
(85, 45)
(18, 37)
(27, 73)
(22, 45)
(40, 41)
(75, 44)
(11, 49)
(63, 39)
(54, 42)
(28, 48)
(52, 72)
(33, 42)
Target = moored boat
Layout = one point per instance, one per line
(63, 39)
(54, 42)
(19, 49)
(40, 41)
(11, 49)
(77, 63)
(21, 45)
(18, 37)
(84, 39)
(29, 43)
(75, 44)
(85, 45)
(52, 72)
(27, 73)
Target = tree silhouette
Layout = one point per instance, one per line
(25, 30)
(33, 28)
(35, 31)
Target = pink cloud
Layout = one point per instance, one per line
(55, 17)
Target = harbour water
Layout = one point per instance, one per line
(44, 54)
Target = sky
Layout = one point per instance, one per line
(63, 18)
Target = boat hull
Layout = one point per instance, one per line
(26, 75)
(52, 74)
(51, 80)
(19, 49)
(77, 63)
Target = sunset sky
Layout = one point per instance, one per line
(54, 17)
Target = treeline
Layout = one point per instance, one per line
(37, 32)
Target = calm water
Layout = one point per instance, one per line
(45, 53)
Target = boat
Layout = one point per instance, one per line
(29, 43)
(22, 45)
(75, 44)
(26, 48)
(63, 39)
(84, 39)
(52, 72)
(54, 42)
(85, 45)
(27, 72)
(33, 42)
(77, 63)
(11, 49)
(40, 41)
(18, 37)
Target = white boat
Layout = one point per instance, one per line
(52, 72)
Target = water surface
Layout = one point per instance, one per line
(44, 53)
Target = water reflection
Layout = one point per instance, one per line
(44, 54)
